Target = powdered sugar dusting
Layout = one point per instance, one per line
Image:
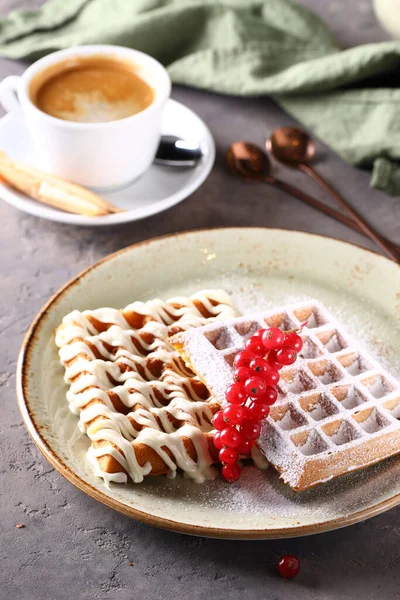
(308, 449)
(262, 494)
(377, 333)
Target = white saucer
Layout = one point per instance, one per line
(158, 189)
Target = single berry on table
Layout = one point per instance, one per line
(288, 566)
(219, 421)
(286, 356)
(250, 429)
(294, 340)
(273, 338)
(254, 386)
(235, 394)
(233, 415)
(255, 346)
(231, 472)
(243, 359)
(230, 437)
(228, 456)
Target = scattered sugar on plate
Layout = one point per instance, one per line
(262, 493)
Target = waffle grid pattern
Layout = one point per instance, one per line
(337, 408)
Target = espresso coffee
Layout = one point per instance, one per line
(93, 89)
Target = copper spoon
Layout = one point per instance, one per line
(294, 148)
(251, 162)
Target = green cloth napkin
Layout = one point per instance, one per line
(243, 47)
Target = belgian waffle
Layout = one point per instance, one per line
(337, 410)
(144, 411)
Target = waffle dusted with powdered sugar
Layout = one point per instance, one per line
(337, 411)
(144, 411)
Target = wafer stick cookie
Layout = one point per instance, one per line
(143, 409)
(153, 453)
(52, 190)
(338, 410)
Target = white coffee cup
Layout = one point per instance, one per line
(98, 155)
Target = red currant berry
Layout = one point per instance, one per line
(258, 333)
(259, 367)
(241, 374)
(288, 566)
(273, 363)
(273, 338)
(272, 378)
(250, 429)
(242, 359)
(259, 411)
(269, 396)
(245, 446)
(217, 440)
(286, 355)
(218, 421)
(294, 340)
(230, 437)
(232, 415)
(255, 346)
(228, 456)
(235, 394)
(231, 472)
(246, 411)
(254, 386)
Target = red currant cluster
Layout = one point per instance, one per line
(252, 393)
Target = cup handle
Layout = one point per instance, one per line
(8, 94)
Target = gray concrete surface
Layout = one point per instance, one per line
(72, 547)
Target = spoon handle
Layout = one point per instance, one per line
(379, 240)
(321, 206)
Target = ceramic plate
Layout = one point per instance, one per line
(260, 268)
(158, 189)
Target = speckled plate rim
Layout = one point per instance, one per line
(24, 403)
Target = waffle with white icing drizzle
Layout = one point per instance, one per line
(337, 411)
(144, 411)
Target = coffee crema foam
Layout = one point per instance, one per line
(91, 90)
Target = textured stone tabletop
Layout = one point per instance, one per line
(72, 547)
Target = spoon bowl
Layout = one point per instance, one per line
(291, 146)
(175, 152)
(249, 160)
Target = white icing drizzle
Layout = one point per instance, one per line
(198, 414)
(165, 406)
(199, 469)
